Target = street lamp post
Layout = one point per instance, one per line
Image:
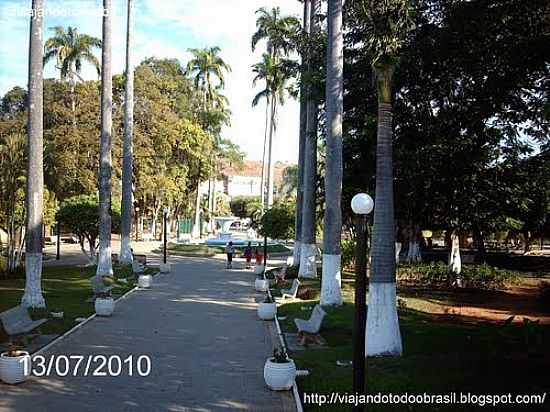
(361, 204)
(165, 217)
(58, 243)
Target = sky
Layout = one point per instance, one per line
(166, 28)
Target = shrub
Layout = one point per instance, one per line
(278, 222)
(473, 276)
(348, 253)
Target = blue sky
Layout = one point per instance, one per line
(165, 28)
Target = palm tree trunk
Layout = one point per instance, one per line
(308, 253)
(382, 334)
(270, 163)
(331, 293)
(104, 264)
(301, 149)
(126, 257)
(267, 125)
(35, 176)
(196, 233)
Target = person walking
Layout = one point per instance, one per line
(259, 257)
(248, 255)
(229, 250)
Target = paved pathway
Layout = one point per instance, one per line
(198, 325)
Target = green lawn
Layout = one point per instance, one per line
(205, 250)
(64, 288)
(441, 354)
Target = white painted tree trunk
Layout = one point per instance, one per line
(383, 337)
(104, 264)
(455, 263)
(296, 253)
(32, 298)
(34, 193)
(126, 256)
(413, 254)
(331, 290)
(398, 246)
(308, 261)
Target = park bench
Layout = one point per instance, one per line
(310, 328)
(99, 287)
(17, 321)
(292, 292)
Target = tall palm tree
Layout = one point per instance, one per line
(301, 142)
(277, 31)
(331, 293)
(308, 253)
(70, 49)
(206, 67)
(276, 76)
(35, 171)
(126, 256)
(104, 265)
(387, 25)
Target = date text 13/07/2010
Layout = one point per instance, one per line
(87, 365)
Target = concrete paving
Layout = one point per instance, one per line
(199, 327)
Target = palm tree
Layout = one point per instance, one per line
(301, 143)
(387, 25)
(308, 252)
(126, 256)
(277, 31)
(331, 293)
(206, 67)
(104, 265)
(276, 76)
(35, 171)
(70, 50)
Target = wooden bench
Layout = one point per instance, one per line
(310, 328)
(17, 321)
(99, 287)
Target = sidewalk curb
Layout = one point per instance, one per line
(295, 392)
(78, 326)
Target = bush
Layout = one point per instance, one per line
(473, 276)
(278, 222)
(348, 253)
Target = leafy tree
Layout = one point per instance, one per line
(278, 221)
(246, 207)
(80, 214)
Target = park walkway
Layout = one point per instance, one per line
(199, 327)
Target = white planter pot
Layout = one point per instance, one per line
(267, 311)
(104, 306)
(261, 285)
(145, 281)
(165, 268)
(12, 368)
(279, 376)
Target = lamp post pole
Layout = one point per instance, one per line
(165, 215)
(362, 204)
(58, 243)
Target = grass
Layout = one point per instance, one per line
(206, 250)
(64, 288)
(441, 354)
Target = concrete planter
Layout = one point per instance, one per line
(261, 285)
(165, 268)
(104, 306)
(145, 281)
(267, 311)
(14, 369)
(279, 376)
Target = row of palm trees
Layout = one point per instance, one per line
(388, 25)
